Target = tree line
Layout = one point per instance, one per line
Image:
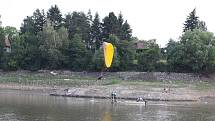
(49, 40)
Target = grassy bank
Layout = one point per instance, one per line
(56, 80)
(47, 79)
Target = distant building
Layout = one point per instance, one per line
(140, 46)
(7, 44)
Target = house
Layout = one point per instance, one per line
(7, 44)
(140, 46)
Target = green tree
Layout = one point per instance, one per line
(31, 54)
(78, 23)
(98, 60)
(52, 42)
(11, 60)
(68, 20)
(63, 35)
(125, 52)
(77, 54)
(28, 25)
(148, 58)
(89, 16)
(202, 25)
(194, 53)
(191, 22)
(96, 32)
(55, 16)
(116, 26)
(2, 43)
(110, 25)
(12, 32)
(0, 21)
(120, 25)
(39, 20)
(126, 31)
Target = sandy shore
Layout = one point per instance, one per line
(129, 92)
(123, 92)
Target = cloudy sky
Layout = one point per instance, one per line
(149, 19)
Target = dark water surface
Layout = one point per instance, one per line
(28, 106)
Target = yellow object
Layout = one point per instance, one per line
(107, 117)
(108, 53)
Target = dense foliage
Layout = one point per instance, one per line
(51, 41)
(195, 52)
(74, 41)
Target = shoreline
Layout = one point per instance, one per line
(127, 85)
(126, 98)
(102, 92)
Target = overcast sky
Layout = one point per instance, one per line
(149, 19)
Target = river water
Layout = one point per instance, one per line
(29, 106)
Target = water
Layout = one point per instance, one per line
(28, 106)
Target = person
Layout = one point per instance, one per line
(100, 77)
(113, 96)
(139, 99)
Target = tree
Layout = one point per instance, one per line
(63, 35)
(125, 52)
(55, 16)
(89, 16)
(96, 36)
(52, 42)
(120, 20)
(120, 25)
(202, 26)
(33, 24)
(110, 25)
(126, 31)
(68, 20)
(193, 22)
(39, 20)
(0, 21)
(194, 53)
(2, 44)
(31, 54)
(78, 23)
(28, 25)
(116, 26)
(148, 58)
(12, 32)
(98, 60)
(11, 60)
(77, 54)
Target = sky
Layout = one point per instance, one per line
(149, 19)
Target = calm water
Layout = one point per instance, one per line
(28, 106)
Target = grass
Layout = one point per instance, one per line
(77, 80)
(204, 86)
(114, 81)
(44, 79)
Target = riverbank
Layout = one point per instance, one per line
(87, 86)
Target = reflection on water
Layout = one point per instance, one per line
(107, 117)
(28, 106)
